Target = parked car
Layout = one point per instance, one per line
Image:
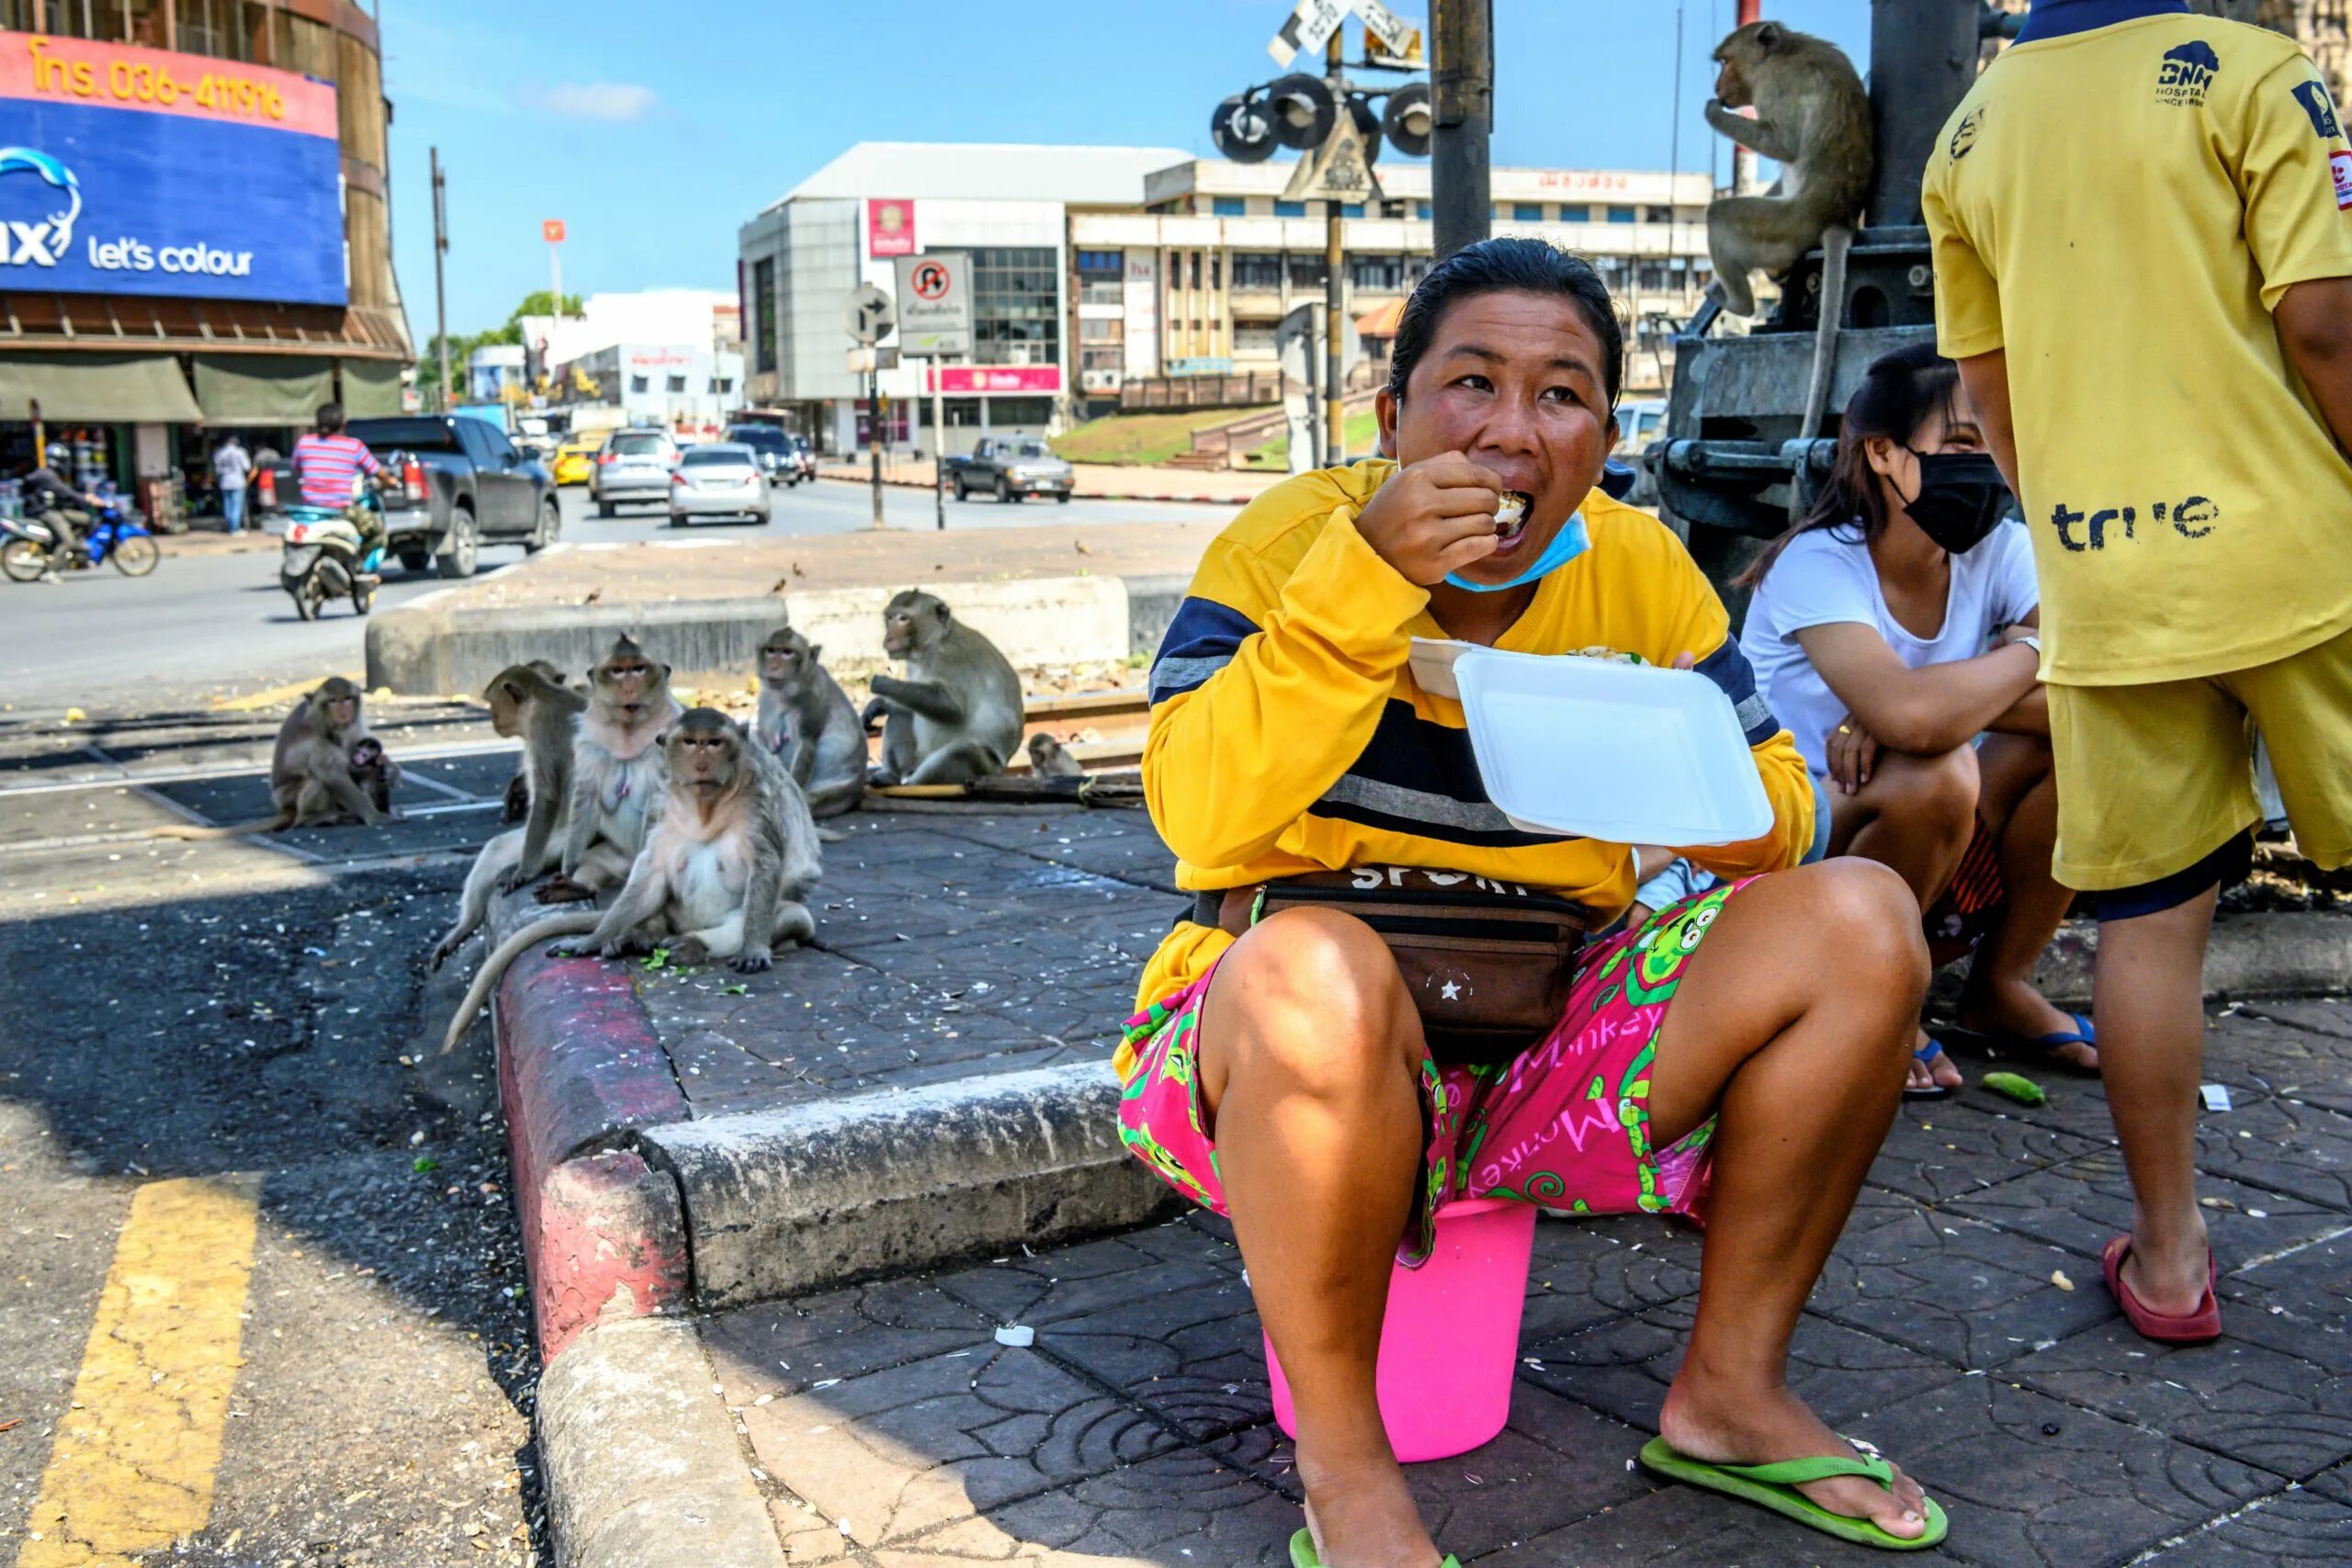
(721, 478)
(632, 465)
(779, 459)
(576, 458)
(454, 483)
(1009, 468)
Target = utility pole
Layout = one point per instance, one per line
(1462, 80)
(440, 292)
(938, 448)
(1335, 262)
(874, 429)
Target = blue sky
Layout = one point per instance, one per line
(655, 131)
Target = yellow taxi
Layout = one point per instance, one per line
(577, 455)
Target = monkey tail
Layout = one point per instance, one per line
(192, 833)
(494, 967)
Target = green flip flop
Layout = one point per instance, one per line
(1774, 1487)
(1302, 1553)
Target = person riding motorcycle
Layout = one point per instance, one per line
(65, 509)
(329, 468)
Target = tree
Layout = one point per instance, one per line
(539, 302)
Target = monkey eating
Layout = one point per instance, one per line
(526, 704)
(1049, 759)
(1813, 115)
(730, 852)
(957, 716)
(809, 724)
(615, 770)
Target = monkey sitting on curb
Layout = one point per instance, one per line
(523, 704)
(518, 788)
(1049, 759)
(957, 715)
(615, 770)
(1813, 115)
(730, 852)
(809, 724)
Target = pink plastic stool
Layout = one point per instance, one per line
(1449, 1344)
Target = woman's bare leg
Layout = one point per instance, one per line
(1792, 1025)
(1310, 1054)
(1916, 816)
(2020, 803)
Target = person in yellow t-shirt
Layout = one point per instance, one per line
(2142, 222)
(1283, 1076)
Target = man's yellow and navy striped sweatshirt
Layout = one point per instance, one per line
(1288, 735)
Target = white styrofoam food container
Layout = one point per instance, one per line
(1626, 754)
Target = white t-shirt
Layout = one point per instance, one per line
(1827, 576)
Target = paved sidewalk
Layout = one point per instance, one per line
(1099, 482)
(1962, 1325)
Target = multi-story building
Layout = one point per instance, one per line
(196, 196)
(1099, 266)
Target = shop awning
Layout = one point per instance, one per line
(371, 387)
(1381, 319)
(261, 389)
(130, 388)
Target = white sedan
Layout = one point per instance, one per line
(720, 480)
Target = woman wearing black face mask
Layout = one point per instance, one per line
(1892, 631)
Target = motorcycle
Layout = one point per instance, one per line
(113, 535)
(323, 559)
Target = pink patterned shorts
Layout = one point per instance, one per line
(1565, 1125)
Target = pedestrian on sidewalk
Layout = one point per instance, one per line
(2142, 230)
(231, 465)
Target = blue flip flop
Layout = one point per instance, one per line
(1928, 1053)
(2085, 1032)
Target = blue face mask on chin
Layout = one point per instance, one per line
(1571, 541)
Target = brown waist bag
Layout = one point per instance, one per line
(1489, 963)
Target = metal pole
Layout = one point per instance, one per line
(1462, 87)
(1923, 61)
(440, 293)
(938, 450)
(1335, 262)
(1743, 159)
(874, 433)
(555, 275)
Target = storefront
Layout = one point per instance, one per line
(195, 242)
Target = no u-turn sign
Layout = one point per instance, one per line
(935, 305)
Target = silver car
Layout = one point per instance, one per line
(633, 466)
(721, 479)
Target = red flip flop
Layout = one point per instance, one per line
(2185, 1328)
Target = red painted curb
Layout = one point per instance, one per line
(579, 1067)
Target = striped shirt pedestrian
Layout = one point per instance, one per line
(327, 464)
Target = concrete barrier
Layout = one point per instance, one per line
(446, 643)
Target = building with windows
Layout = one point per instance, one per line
(1101, 268)
(196, 196)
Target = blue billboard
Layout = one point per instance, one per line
(133, 171)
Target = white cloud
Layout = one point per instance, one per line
(615, 101)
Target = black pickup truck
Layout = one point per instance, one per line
(451, 485)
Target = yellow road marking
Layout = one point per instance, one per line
(132, 1467)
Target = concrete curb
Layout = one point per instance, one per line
(786, 1201)
(642, 1464)
(2288, 953)
(442, 643)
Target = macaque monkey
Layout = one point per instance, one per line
(518, 788)
(616, 770)
(1813, 115)
(374, 772)
(524, 705)
(957, 717)
(730, 852)
(1049, 759)
(808, 723)
(310, 768)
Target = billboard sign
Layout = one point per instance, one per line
(889, 227)
(971, 378)
(551, 231)
(134, 171)
(935, 305)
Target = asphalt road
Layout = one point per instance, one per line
(225, 1024)
(212, 625)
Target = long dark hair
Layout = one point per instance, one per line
(1898, 394)
(1508, 265)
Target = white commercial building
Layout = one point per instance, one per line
(1105, 276)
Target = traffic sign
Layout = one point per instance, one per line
(1340, 170)
(935, 305)
(551, 231)
(869, 316)
(1311, 27)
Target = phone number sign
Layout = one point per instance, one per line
(138, 170)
